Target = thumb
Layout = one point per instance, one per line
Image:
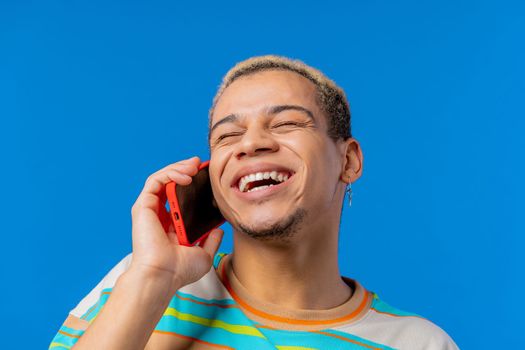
(213, 241)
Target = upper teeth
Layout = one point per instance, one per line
(274, 175)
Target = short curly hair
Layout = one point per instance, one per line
(330, 98)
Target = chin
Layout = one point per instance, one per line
(261, 218)
(268, 228)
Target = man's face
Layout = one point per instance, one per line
(272, 161)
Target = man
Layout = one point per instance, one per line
(281, 121)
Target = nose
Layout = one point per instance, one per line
(255, 141)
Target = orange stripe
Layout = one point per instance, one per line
(347, 340)
(263, 314)
(388, 313)
(194, 339)
(265, 326)
(69, 335)
(206, 304)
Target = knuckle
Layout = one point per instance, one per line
(149, 201)
(134, 209)
(137, 208)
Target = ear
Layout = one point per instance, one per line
(352, 166)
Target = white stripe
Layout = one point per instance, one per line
(404, 332)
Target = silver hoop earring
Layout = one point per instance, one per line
(349, 192)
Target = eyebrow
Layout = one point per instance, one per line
(231, 118)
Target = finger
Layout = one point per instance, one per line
(186, 164)
(184, 168)
(172, 236)
(178, 173)
(153, 194)
(213, 241)
(156, 183)
(202, 242)
(165, 218)
(193, 161)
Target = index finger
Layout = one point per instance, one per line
(156, 181)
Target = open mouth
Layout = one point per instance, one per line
(261, 180)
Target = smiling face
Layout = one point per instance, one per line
(273, 167)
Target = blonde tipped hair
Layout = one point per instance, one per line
(331, 99)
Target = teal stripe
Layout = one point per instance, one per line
(67, 341)
(213, 335)
(219, 331)
(229, 315)
(175, 302)
(227, 301)
(217, 259)
(318, 341)
(95, 308)
(381, 306)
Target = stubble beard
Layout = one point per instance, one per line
(281, 231)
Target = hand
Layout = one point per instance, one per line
(156, 249)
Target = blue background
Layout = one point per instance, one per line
(95, 96)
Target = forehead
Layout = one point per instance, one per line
(253, 92)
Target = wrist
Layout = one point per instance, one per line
(163, 283)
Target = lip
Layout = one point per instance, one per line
(256, 168)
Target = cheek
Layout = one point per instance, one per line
(310, 148)
(218, 171)
(320, 160)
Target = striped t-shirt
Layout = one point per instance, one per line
(217, 312)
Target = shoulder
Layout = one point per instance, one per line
(410, 330)
(91, 303)
(208, 287)
(405, 330)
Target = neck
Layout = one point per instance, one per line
(308, 263)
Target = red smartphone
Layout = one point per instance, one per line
(193, 209)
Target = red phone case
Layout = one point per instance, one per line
(176, 216)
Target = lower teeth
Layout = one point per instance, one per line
(259, 188)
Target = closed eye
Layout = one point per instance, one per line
(231, 134)
(289, 123)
